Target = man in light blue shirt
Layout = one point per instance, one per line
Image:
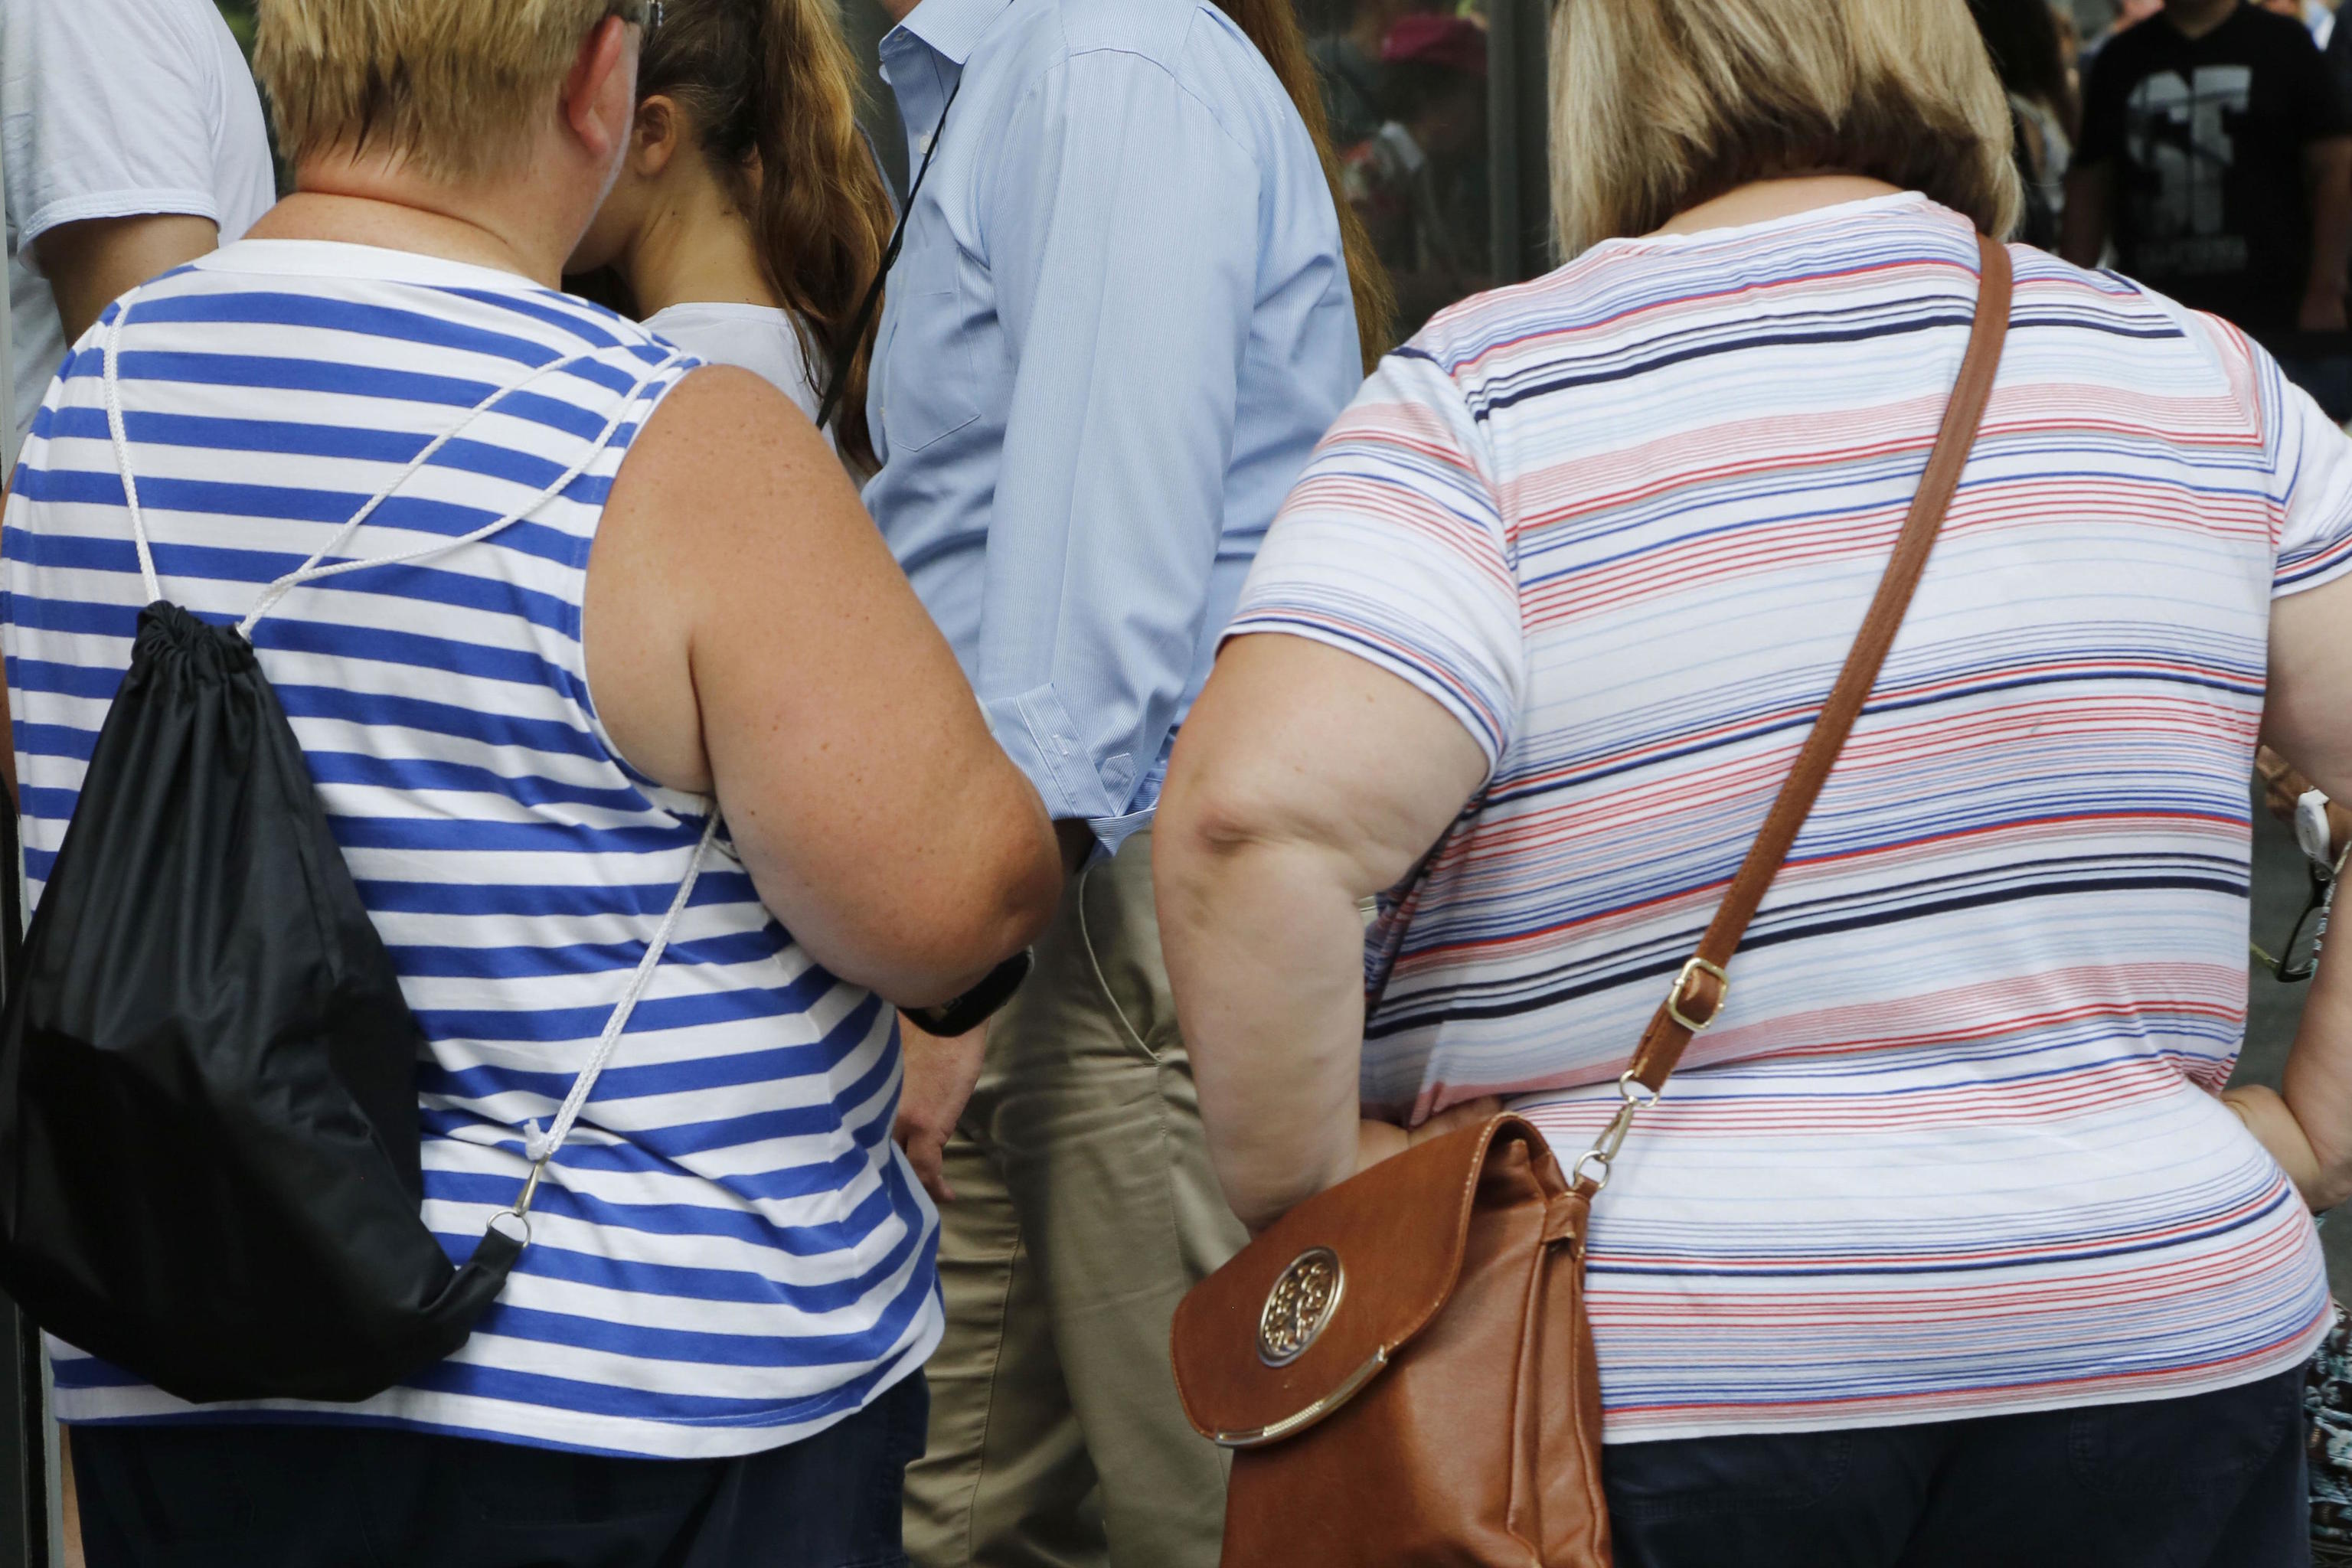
(1120, 322)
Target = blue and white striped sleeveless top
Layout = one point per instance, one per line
(729, 1253)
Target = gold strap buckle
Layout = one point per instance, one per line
(1682, 984)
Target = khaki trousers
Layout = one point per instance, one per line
(1085, 1208)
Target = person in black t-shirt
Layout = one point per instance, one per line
(2218, 152)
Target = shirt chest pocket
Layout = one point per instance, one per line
(928, 388)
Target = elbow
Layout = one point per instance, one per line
(1204, 822)
(1023, 886)
(1219, 833)
(1258, 1206)
(2330, 1192)
(991, 900)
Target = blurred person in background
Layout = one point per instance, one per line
(711, 1351)
(1419, 182)
(2318, 17)
(2336, 47)
(2217, 155)
(749, 216)
(1128, 303)
(2022, 36)
(1946, 1247)
(2123, 15)
(134, 142)
(2070, 47)
(1348, 62)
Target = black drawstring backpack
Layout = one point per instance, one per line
(208, 1110)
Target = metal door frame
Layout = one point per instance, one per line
(1518, 185)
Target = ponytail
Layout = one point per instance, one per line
(771, 92)
(1273, 26)
(823, 214)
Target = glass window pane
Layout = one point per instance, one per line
(1405, 86)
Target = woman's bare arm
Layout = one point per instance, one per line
(2308, 721)
(1305, 780)
(747, 633)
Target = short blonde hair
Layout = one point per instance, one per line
(1658, 105)
(451, 87)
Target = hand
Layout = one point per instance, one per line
(2282, 786)
(941, 1076)
(2322, 311)
(1378, 1141)
(2282, 790)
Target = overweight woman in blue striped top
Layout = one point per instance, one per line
(710, 1354)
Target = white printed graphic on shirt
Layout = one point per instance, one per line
(2181, 130)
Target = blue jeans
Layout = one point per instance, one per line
(2215, 1480)
(366, 1496)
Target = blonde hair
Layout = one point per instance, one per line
(1659, 105)
(450, 87)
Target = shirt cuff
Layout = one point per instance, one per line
(1036, 732)
(1110, 832)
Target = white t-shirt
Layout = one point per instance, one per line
(110, 109)
(757, 338)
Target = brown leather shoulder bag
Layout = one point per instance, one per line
(1401, 1365)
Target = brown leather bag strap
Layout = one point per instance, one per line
(1700, 989)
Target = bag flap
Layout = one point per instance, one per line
(1309, 1313)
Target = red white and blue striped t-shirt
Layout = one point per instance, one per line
(1953, 1147)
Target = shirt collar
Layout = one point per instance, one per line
(952, 28)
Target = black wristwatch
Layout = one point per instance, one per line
(977, 1006)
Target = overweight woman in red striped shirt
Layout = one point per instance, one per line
(1946, 1244)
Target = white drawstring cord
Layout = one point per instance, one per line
(539, 1148)
(114, 427)
(310, 571)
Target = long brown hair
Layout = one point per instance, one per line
(772, 93)
(1273, 26)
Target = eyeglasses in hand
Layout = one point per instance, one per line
(2299, 959)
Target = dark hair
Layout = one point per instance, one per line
(2021, 35)
(771, 92)
(1273, 26)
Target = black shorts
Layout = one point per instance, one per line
(2215, 1480)
(250, 1496)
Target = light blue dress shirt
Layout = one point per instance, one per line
(1119, 326)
